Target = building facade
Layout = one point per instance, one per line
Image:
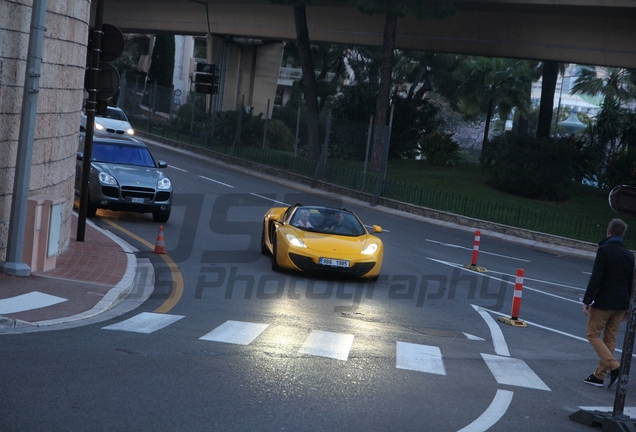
(58, 105)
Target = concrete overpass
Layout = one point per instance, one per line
(598, 32)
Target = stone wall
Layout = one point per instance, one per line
(58, 107)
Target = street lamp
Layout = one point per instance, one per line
(572, 124)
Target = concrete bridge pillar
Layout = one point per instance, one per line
(249, 70)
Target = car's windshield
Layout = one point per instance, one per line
(115, 114)
(122, 154)
(327, 220)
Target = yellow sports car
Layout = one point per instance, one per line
(318, 239)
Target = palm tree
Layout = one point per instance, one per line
(490, 84)
(608, 82)
(551, 72)
(614, 85)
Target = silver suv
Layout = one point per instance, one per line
(125, 176)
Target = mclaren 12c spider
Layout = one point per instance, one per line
(318, 240)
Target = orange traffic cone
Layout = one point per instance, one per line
(160, 248)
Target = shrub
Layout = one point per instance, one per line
(620, 169)
(279, 137)
(531, 167)
(440, 149)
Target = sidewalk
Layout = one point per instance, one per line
(90, 278)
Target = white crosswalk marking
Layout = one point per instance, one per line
(409, 356)
(145, 322)
(328, 344)
(514, 372)
(235, 332)
(29, 301)
(420, 358)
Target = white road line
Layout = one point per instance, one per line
(515, 372)
(493, 413)
(269, 199)
(498, 340)
(327, 344)
(509, 282)
(178, 169)
(419, 358)
(480, 250)
(145, 322)
(235, 332)
(28, 301)
(472, 337)
(544, 327)
(216, 181)
(539, 280)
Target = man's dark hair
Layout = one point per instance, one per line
(617, 227)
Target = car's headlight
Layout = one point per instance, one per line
(164, 184)
(107, 179)
(370, 249)
(295, 241)
(130, 132)
(99, 127)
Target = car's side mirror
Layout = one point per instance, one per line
(377, 229)
(162, 164)
(80, 156)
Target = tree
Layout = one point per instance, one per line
(309, 74)
(549, 80)
(490, 84)
(162, 69)
(392, 10)
(162, 63)
(609, 82)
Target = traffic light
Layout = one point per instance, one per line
(111, 47)
(205, 78)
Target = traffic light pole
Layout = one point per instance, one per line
(91, 109)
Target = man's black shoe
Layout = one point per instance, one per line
(594, 381)
(613, 377)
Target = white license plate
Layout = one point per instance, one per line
(333, 262)
(137, 200)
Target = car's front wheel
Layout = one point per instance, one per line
(161, 216)
(264, 249)
(275, 265)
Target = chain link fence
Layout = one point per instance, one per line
(280, 141)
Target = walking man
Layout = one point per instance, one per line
(607, 300)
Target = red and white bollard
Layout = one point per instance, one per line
(516, 303)
(473, 261)
(516, 299)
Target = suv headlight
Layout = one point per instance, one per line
(164, 184)
(130, 131)
(107, 179)
(99, 127)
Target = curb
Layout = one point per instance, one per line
(115, 295)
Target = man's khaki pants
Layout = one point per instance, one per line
(607, 322)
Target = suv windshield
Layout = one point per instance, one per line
(122, 154)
